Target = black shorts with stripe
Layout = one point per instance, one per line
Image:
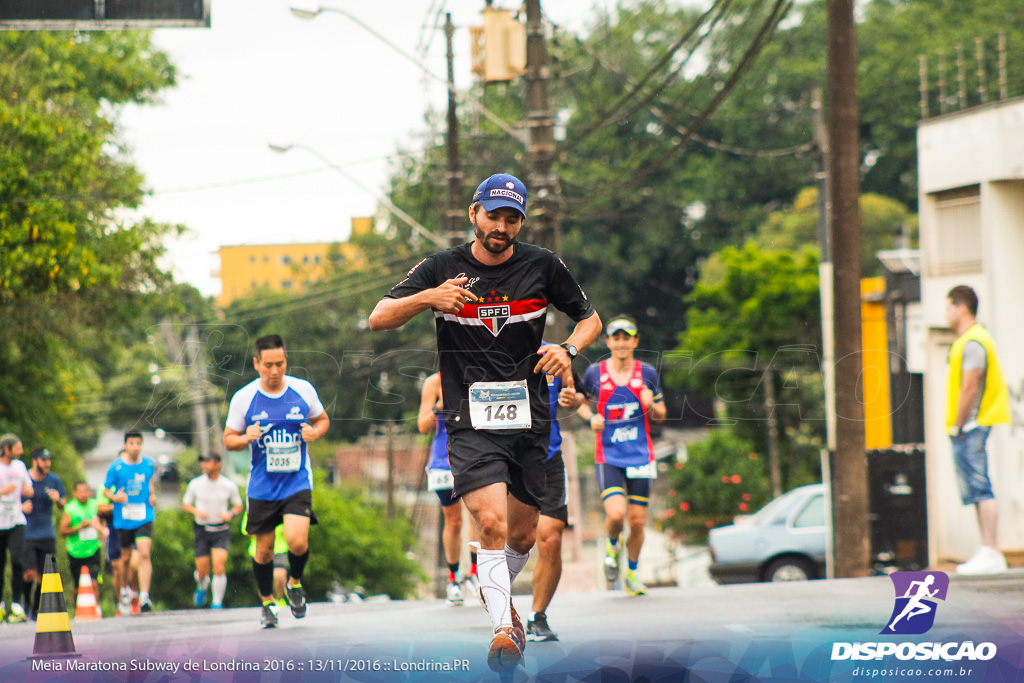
(480, 457)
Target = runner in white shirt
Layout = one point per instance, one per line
(214, 501)
(15, 485)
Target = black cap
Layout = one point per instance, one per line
(211, 456)
(42, 453)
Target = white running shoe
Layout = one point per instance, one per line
(985, 560)
(125, 605)
(454, 593)
(471, 584)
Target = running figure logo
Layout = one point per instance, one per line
(916, 592)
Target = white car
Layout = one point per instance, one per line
(783, 541)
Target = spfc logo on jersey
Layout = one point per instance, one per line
(493, 317)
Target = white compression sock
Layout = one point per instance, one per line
(220, 586)
(495, 586)
(516, 562)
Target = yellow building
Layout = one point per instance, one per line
(275, 267)
(281, 267)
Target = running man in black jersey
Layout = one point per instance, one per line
(490, 299)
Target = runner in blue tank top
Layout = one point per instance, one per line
(628, 396)
(554, 512)
(276, 416)
(439, 480)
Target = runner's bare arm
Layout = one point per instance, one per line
(426, 417)
(65, 526)
(554, 360)
(448, 297)
(235, 440)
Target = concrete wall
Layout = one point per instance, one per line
(983, 148)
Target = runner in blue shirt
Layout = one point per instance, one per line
(554, 513)
(40, 535)
(439, 480)
(130, 486)
(628, 397)
(276, 416)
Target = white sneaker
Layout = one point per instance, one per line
(454, 593)
(124, 605)
(985, 560)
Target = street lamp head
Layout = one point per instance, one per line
(280, 147)
(305, 10)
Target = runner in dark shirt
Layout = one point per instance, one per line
(490, 300)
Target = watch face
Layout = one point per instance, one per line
(571, 349)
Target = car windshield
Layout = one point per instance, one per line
(776, 509)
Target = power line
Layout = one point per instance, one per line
(712, 144)
(289, 305)
(780, 8)
(194, 188)
(610, 112)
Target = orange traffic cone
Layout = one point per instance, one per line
(53, 627)
(86, 606)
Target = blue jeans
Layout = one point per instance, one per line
(972, 465)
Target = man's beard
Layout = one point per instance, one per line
(494, 248)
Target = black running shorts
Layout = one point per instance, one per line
(35, 552)
(481, 457)
(207, 540)
(266, 515)
(127, 537)
(92, 562)
(554, 504)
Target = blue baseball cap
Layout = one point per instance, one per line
(502, 189)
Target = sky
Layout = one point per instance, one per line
(261, 75)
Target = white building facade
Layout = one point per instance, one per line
(971, 193)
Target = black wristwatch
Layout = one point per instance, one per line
(573, 351)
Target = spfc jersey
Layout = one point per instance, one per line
(496, 338)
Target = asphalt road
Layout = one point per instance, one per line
(711, 633)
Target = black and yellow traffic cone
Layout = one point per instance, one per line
(53, 625)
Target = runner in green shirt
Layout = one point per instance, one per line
(81, 527)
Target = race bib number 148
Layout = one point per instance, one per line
(499, 405)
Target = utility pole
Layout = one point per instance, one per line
(200, 428)
(541, 179)
(456, 211)
(849, 474)
(390, 429)
(774, 468)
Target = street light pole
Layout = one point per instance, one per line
(304, 10)
(456, 216)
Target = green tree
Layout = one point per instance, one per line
(73, 268)
(755, 318)
(891, 37)
(885, 224)
(722, 477)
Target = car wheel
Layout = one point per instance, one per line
(789, 569)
